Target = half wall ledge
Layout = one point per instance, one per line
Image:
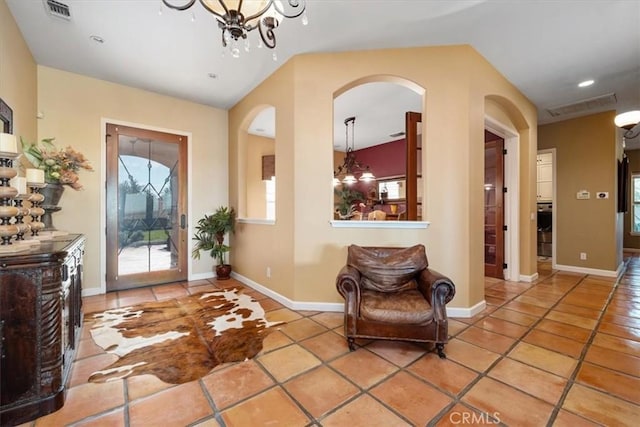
(380, 224)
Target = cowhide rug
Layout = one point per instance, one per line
(180, 340)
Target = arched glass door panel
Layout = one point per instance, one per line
(146, 201)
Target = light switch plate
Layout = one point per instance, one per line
(583, 195)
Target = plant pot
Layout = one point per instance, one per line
(223, 272)
(52, 194)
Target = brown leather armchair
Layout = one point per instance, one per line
(390, 293)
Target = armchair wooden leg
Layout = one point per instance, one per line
(440, 349)
(352, 344)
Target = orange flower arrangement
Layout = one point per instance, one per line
(60, 166)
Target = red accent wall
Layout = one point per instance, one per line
(385, 160)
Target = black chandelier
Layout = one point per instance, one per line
(345, 173)
(237, 17)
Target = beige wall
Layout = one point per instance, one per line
(631, 242)
(74, 107)
(457, 80)
(258, 246)
(586, 159)
(18, 76)
(258, 146)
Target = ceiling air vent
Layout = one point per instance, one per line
(58, 9)
(584, 105)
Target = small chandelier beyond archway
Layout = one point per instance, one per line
(346, 172)
(240, 17)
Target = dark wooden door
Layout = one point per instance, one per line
(413, 131)
(494, 206)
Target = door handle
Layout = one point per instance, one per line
(183, 221)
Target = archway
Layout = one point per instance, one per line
(257, 169)
(370, 137)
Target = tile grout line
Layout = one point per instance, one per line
(484, 374)
(501, 356)
(587, 347)
(217, 414)
(456, 399)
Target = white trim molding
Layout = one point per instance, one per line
(293, 305)
(379, 224)
(103, 195)
(257, 221)
(511, 202)
(466, 312)
(339, 306)
(529, 278)
(91, 292)
(593, 271)
(202, 276)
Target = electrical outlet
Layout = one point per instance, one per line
(583, 256)
(268, 272)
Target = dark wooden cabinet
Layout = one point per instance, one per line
(40, 322)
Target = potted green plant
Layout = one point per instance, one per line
(209, 236)
(346, 207)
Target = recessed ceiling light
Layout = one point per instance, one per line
(97, 39)
(586, 83)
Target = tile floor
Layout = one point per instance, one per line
(564, 351)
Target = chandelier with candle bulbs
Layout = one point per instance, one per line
(236, 18)
(346, 172)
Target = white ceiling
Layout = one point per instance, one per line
(543, 47)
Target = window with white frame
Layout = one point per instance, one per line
(270, 193)
(394, 189)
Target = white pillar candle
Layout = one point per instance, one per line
(35, 176)
(20, 184)
(8, 143)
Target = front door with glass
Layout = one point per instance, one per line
(146, 207)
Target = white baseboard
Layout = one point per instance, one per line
(293, 305)
(338, 306)
(529, 277)
(466, 312)
(304, 305)
(202, 276)
(593, 271)
(91, 292)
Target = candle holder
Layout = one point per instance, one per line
(35, 211)
(23, 228)
(7, 194)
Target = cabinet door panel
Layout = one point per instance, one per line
(19, 346)
(545, 172)
(545, 190)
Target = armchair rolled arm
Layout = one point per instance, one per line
(348, 281)
(348, 285)
(438, 289)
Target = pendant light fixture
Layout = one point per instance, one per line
(346, 172)
(630, 122)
